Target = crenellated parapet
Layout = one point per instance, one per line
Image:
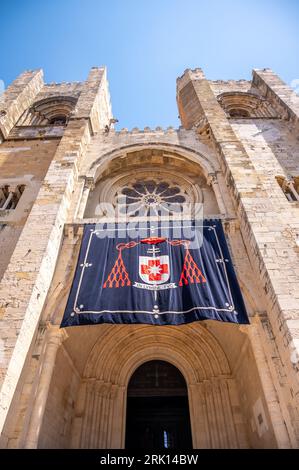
(146, 130)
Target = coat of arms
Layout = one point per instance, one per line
(154, 270)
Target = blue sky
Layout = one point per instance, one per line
(146, 44)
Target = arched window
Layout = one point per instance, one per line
(237, 113)
(58, 121)
(238, 104)
(53, 111)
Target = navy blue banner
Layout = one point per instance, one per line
(154, 278)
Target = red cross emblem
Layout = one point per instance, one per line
(154, 270)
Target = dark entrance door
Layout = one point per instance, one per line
(157, 408)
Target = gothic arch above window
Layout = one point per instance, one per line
(49, 112)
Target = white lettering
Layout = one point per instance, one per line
(110, 460)
(140, 285)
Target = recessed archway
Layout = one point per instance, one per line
(191, 349)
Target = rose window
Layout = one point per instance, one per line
(149, 197)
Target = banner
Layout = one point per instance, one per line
(159, 276)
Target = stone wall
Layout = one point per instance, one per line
(24, 162)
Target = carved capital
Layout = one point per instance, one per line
(38, 345)
(231, 226)
(55, 334)
(212, 179)
(89, 183)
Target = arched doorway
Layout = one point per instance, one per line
(157, 408)
(96, 414)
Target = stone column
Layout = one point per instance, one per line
(198, 416)
(214, 184)
(104, 418)
(235, 421)
(223, 431)
(77, 428)
(55, 337)
(211, 415)
(118, 423)
(229, 425)
(98, 417)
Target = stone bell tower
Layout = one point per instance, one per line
(253, 128)
(237, 154)
(44, 130)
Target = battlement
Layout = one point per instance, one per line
(146, 130)
(189, 74)
(63, 87)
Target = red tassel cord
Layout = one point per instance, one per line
(191, 273)
(119, 276)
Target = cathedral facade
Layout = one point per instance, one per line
(205, 384)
